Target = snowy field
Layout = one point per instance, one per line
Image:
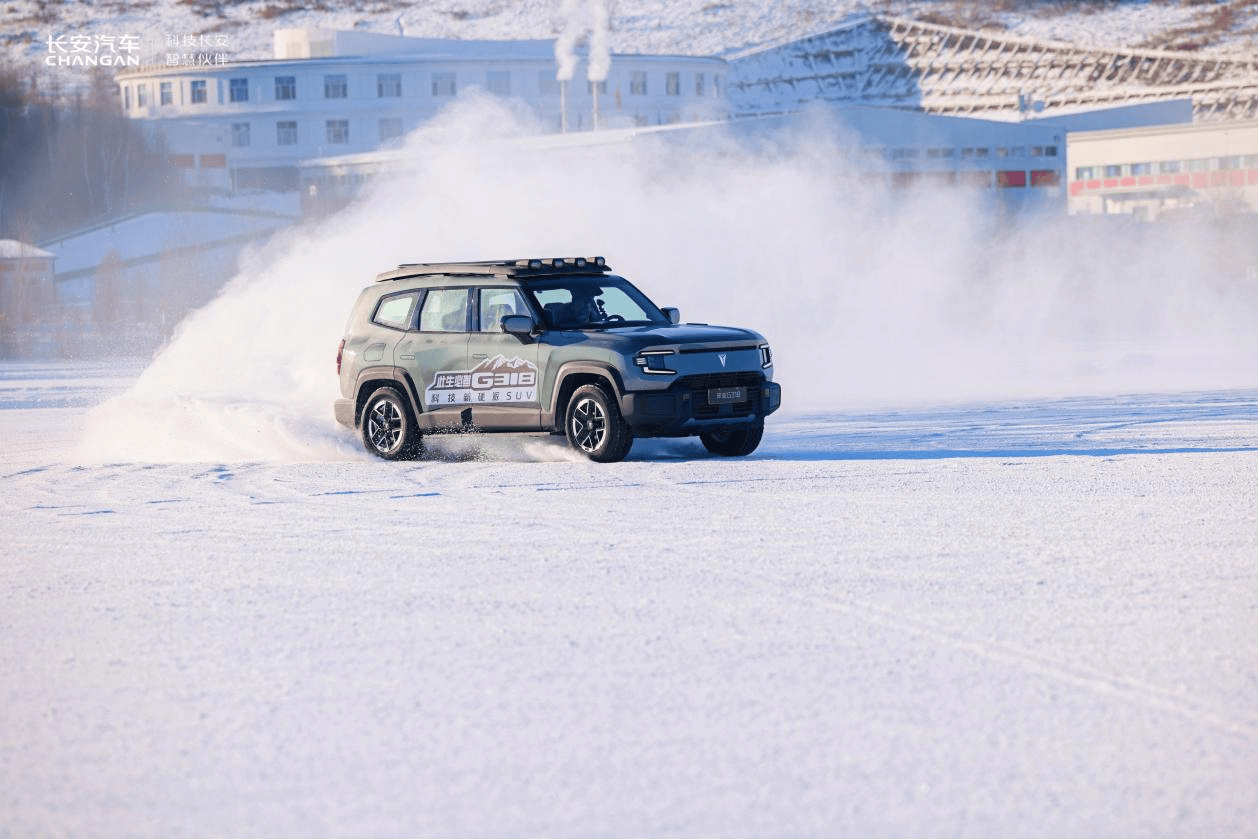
(1032, 619)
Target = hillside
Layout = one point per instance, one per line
(691, 27)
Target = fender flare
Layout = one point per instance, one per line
(396, 375)
(571, 368)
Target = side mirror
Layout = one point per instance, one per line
(673, 315)
(518, 324)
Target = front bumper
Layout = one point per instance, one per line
(684, 409)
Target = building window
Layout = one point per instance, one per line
(1085, 173)
(335, 87)
(905, 154)
(1201, 164)
(390, 128)
(285, 87)
(338, 132)
(238, 90)
(1168, 167)
(1142, 168)
(198, 92)
(286, 133)
(637, 83)
(1251, 161)
(142, 95)
(443, 84)
(699, 81)
(126, 97)
(716, 85)
(1045, 177)
(1113, 171)
(1013, 178)
(498, 82)
(240, 134)
(1226, 164)
(166, 93)
(1050, 151)
(672, 84)
(389, 85)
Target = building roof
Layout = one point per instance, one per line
(423, 50)
(13, 249)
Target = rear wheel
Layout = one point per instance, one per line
(594, 426)
(388, 427)
(733, 442)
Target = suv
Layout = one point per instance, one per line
(543, 345)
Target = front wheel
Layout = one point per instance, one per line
(389, 429)
(733, 442)
(594, 426)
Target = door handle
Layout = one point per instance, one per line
(479, 355)
(407, 356)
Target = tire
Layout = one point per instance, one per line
(594, 426)
(388, 426)
(734, 442)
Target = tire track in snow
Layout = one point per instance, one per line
(1079, 675)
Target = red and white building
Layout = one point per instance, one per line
(1148, 172)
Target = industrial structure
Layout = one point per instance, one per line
(894, 62)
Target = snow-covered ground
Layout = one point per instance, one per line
(1031, 618)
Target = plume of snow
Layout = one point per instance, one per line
(867, 295)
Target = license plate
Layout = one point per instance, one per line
(727, 394)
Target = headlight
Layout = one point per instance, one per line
(766, 356)
(654, 361)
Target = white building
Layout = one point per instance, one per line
(1147, 172)
(249, 124)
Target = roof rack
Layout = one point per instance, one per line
(501, 268)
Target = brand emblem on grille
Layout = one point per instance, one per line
(722, 358)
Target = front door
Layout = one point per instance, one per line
(503, 367)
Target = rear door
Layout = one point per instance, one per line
(435, 355)
(504, 378)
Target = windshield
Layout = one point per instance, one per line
(593, 303)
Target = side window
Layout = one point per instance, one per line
(397, 311)
(496, 304)
(445, 310)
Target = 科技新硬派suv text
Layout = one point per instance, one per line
(543, 345)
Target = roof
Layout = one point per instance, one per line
(13, 249)
(529, 267)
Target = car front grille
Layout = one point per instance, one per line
(699, 385)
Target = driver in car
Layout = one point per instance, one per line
(587, 309)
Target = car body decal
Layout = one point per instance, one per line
(495, 381)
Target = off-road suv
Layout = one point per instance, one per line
(543, 345)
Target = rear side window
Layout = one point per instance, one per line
(397, 311)
(445, 310)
